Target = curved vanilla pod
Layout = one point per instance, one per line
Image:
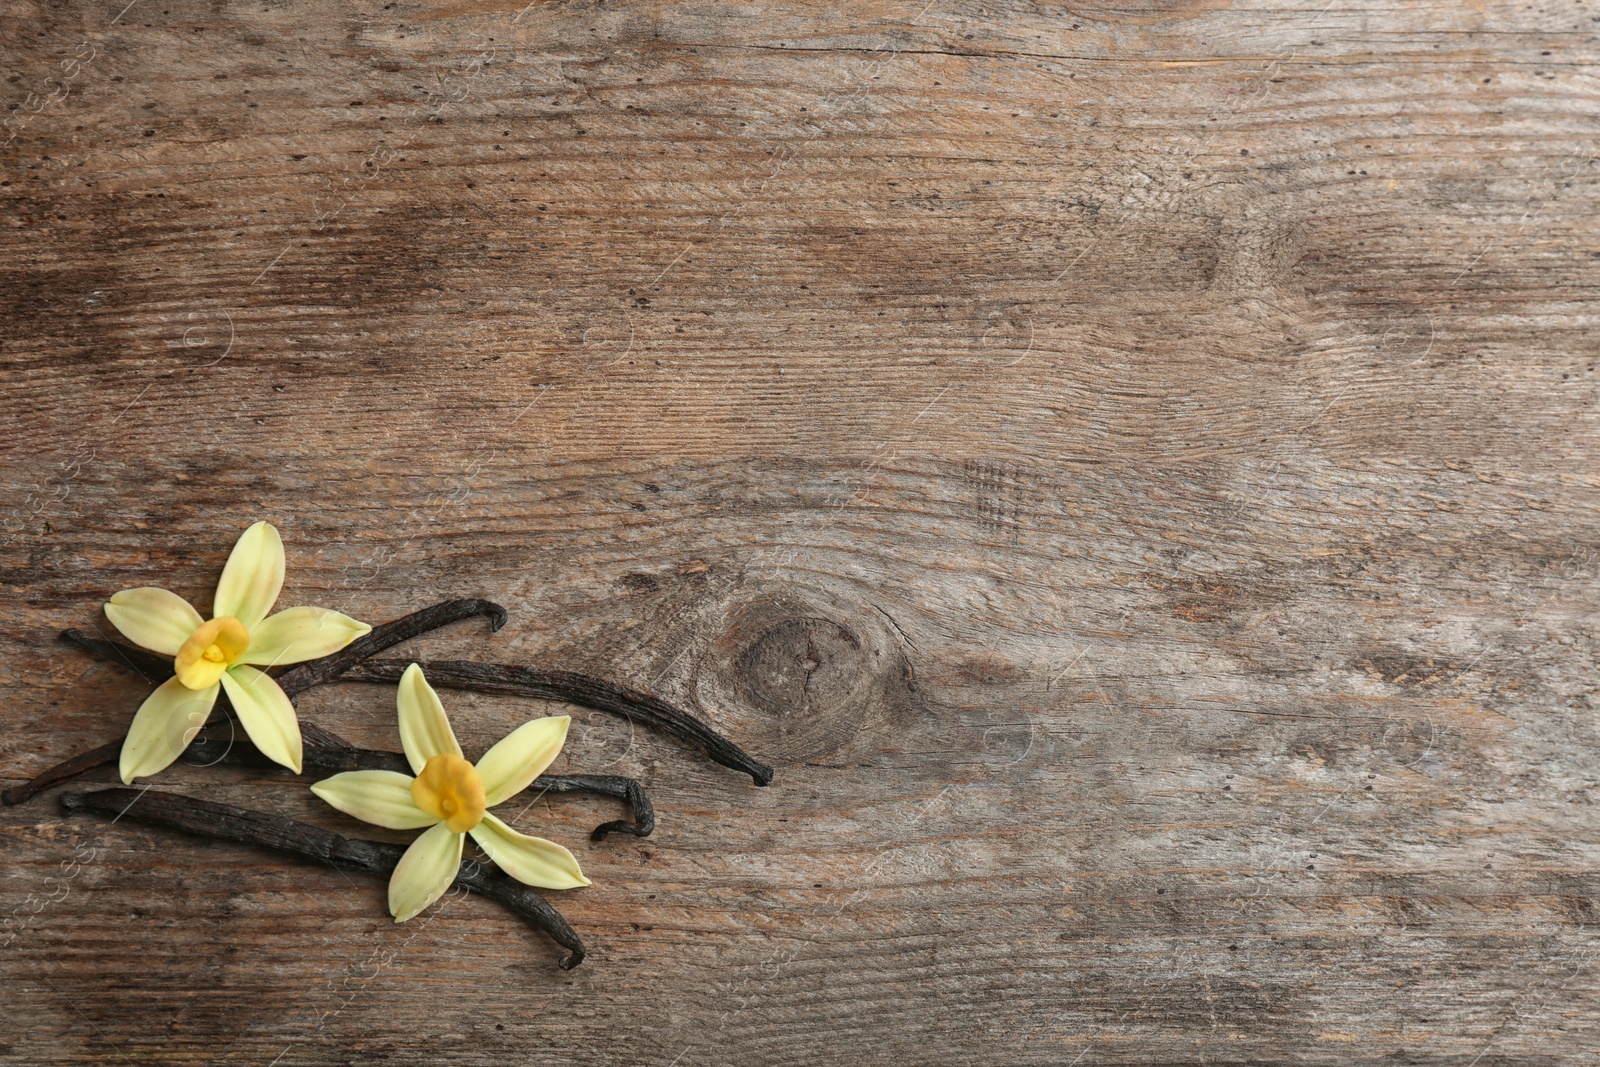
(504, 679)
(157, 669)
(227, 823)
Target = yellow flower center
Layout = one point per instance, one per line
(211, 649)
(451, 790)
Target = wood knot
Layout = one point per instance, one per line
(806, 681)
(798, 667)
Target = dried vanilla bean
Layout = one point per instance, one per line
(303, 676)
(154, 668)
(321, 756)
(227, 823)
(504, 679)
(325, 752)
(297, 679)
(65, 771)
(611, 785)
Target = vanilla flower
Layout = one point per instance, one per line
(225, 653)
(451, 797)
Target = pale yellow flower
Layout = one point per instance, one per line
(451, 797)
(225, 653)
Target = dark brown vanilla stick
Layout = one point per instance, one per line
(303, 676)
(227, 823)
(611, 785)
(325, 752)
(324, 757)
(156, 669)
(508, 680)
(65, 771)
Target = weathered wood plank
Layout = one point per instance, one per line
(1131, 471)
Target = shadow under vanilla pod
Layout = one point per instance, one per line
(325, 751)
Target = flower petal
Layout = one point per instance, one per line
(382, 798)
(424, 872)
(295, 635)
(530, 860)
(163, 727)
(521, 756)
(266, 714)
(252, 577)
(424, 730)
(155, 618)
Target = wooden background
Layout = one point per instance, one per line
(1131, 469)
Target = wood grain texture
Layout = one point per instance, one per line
(1132, 470)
